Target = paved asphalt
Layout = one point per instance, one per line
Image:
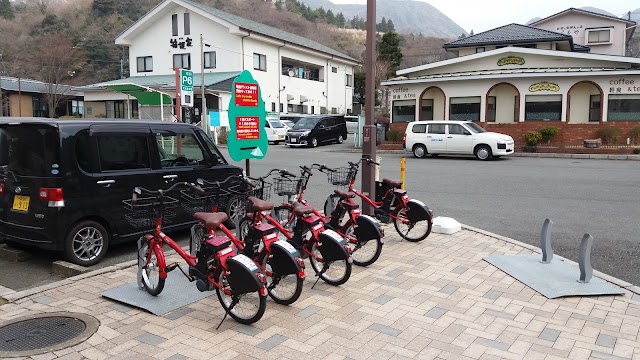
(509, 196)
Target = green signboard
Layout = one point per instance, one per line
(186, 80)
(248, 137)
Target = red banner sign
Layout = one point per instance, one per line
(246, 94)
(247, 127)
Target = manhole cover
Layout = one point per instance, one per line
(45, 333)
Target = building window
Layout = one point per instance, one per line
(404, 111)
(118, 110)
(624, 108)
(145, 63)
(281, 107)
(480, 49)
(182, 61)
(210, 60)
(334, 69)
(77, 107)
(313, 109)
(350, 80)
(599, 36)
(187, 24)
(174, 24)
(465, 108)
(491, 109)
(427, 109)
(260, 62)
(40, 107)
(134, 109)
(543, 108)
(273, 106)
(594, 108)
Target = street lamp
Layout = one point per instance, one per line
(205, 122)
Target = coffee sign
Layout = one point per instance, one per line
(511, 60)
(544, 86)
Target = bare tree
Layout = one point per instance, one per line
(55, 60)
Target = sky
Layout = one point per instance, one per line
(482, 15)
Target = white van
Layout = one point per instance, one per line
(455, 138)
(275, 130)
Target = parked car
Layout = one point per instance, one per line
(455, 137)
(63, 182)
(288, 123)
(319, 129)
(276, 130)
(292, 117)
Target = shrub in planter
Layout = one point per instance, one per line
(395, 135)
(636, 150)
(532, 138)
(609, 135)
(548, 132)
(635, 135)
(529, 149)
(223, 134)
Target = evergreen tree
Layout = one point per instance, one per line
(382, 25)
(331, 19)
(390, 26)
(389, 50)
(279, 5)
(471, 33)
(340, 20)
(6, 10)
(320, 13)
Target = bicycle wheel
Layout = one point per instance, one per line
(151, 280)
(413, 232)
(283, 289)
(243, 227)
(248, 307)
(282, 214)
(335, 273)
(330, 204)
(364, 253)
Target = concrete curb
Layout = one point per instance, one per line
(619, 282)
(527, 155)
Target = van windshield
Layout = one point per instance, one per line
(276, 124)
(29, 150)
(305, 124)
(476, 129)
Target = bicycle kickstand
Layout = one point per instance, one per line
(325, 267)
(234, 302)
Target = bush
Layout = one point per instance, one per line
(223, 134)
(548, 132)
(532, 138)
(635, 135)
(529, 149)
(395, 135)
(636, 150)
(609, 135)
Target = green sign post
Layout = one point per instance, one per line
(186, 87)
(248, 137)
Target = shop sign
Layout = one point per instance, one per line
(569, 29)
(401, 93)
(544, 86)
(246, 94)
(511, 60)
(623, 86)
(247, 116)
(247, 127)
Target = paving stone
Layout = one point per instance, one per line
(436, 312)
(384, 329)
(177, 357)
(500, 314)
(492, 343)
(308, 311)
(588, 318)
(383, 299)
(151, 339)
(460, 270)
(174, 315)
(246, 329)
(449, 289)
(395, 273)
(45, 300)
(493, 294)
(120, 307)
(605, 356)
(606, 341)
(549, 334)
(272, 342)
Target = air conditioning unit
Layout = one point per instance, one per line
(303, 98)
(290, 97)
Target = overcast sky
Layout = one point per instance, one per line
(484, 15)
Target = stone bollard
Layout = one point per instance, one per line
(584, 259)
(545, 242)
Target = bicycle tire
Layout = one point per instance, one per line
(335, 281)
(330, 204)
(278, 296)
(282, 214)
(373, 246)
(154, 288)
(256, 310)
(420, 235)
(243, 227)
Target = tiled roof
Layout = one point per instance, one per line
(578, 47)
(268, 30)
(508, 34)
(211, 80)
(37, 87)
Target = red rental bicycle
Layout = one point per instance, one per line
(280, 261)
(362, 232)
(239, 283)
(411, 218)
(327, 250)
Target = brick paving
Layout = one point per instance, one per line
(436, 299)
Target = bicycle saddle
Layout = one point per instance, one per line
(300, 209)
(211, 220)
(392, 183)
(259, 205)
(344, 194)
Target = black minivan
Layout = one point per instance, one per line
(317, 129)
(63, 182)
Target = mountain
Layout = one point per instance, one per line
(407, 16)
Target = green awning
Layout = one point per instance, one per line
(145, 95)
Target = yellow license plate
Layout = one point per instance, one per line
(21, 203)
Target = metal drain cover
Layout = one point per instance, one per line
(45, 333)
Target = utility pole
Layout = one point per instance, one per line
(369, 129)
(1, 99)
(203, 117)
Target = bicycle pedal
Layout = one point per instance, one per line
(170, 267)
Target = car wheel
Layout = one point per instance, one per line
(276, 142)
(313, 142)
(419, 151)
(340, 139)
(483, 152)
(86, 243)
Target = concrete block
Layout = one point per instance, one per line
(580, 156)
(617, 157)
(445, 225)
(67, 269)
(13, 255)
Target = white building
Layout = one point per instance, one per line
(295, 74)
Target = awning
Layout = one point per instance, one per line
(145, 95)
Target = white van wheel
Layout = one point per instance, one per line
(340, 139)
(419, 151)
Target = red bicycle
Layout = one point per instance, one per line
(327, 251)
(239, 283)
(362, 232)
(280, 261)
(411, 218)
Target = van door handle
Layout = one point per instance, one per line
(449, 137)
(107, 183)
(170, 177)
(428, 137)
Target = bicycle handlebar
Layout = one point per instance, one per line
(160, 192)
(323, 167)
(283, 172)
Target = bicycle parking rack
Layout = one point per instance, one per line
(555, 278)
